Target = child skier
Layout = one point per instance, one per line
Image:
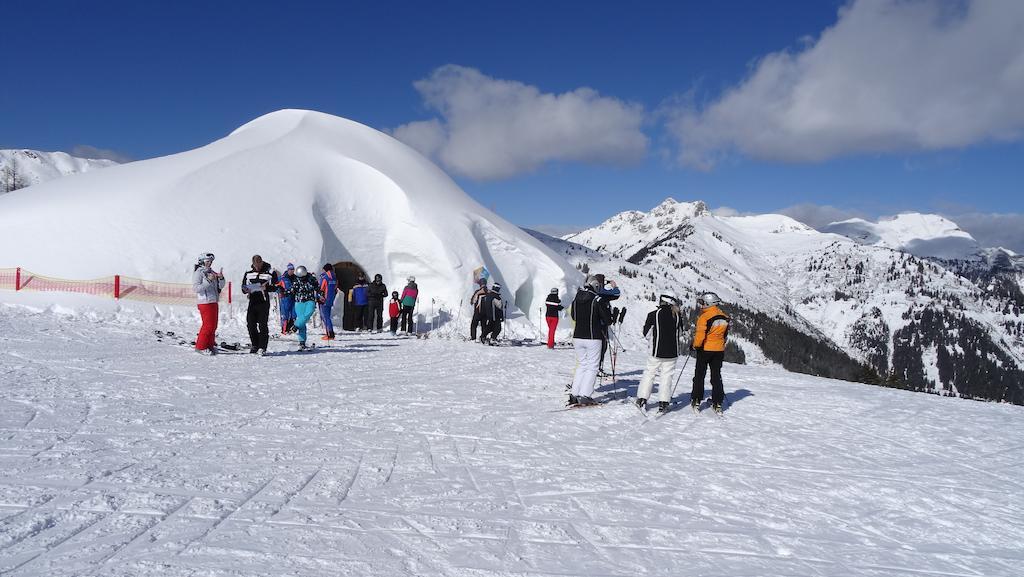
(307, 295)
(394, 310)
(667, 324)
(286, 304)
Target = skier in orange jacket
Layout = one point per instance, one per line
(709, 338)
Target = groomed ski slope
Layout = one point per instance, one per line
(121, 455)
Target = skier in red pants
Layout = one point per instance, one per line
(207, 284)
(554, 304)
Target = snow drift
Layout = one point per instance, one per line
(294, 186)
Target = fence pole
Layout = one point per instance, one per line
(229, 292)
(117, 286)
(17, 279)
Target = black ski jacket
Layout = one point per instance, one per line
(591, 314)
(491, 307)
(553, 305)
(376, 293)
(668, 328)
(306, 289)
(264, 278)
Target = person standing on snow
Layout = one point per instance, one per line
(410, 293)
(207, 285)
(474, 303)
(609, 291)
(377, 292)
(554, 305)
(257, 283)
(667, 325)
(358, 297)
(394, 311)
(328, 288)
(591, 313)
(286, 304)
(306, 293)
(492, 312)
(709, 337)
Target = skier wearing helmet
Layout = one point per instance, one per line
(410, 293)
(667, 326)
(709, 337)
(554, 305)
(207, 285)
(591, 313)
(306, 293)
(474, 303)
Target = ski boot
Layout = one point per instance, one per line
(663, 406)
(587, 401)
(641, 403)
(302, 346)
(573, 400)
(718, 408)
(261, 352)
(695, 405)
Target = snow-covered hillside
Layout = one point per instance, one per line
(30, 167)
(294, 186)
(124, 456)
(917, 321)
(922, 235)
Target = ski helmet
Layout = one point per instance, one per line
(669, 297)
(708, 299)
(300, 271)
(554, 291)
(594, 283)
(290, 267)
(496, 287)
(411, 278)
(206, 256)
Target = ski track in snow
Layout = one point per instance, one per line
(121, 455)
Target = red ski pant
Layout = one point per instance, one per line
(552, 325)
(207, 337)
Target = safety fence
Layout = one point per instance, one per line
(117, 287)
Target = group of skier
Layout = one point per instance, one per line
(301, 295)
(593, 316)
(488, 312)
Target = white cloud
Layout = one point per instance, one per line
(491, 128)
(993, 229)
(890, 75)
(818, 216)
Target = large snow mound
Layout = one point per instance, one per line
(294, 186)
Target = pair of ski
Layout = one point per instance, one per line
(224, 346)
(697, 409)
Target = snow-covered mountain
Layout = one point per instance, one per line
(922, 235)
(30, 167)
(294, 186)
(887, 313)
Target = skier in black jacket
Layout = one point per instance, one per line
(592, 316)
(257, 283)
(492, 312)
(553, 305)
(474, 303)
(376, 293)
(667, 325)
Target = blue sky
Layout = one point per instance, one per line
(865, 108)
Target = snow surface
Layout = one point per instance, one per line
(293, 186)
(35, 166)
(121, 455)
(923, 235)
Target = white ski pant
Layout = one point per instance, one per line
(588, 356)
(667, 368)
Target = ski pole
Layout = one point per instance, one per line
(672, 395)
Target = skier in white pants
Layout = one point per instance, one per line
(592, 315)
(667, 325)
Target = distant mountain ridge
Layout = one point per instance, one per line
(20, 168)
(925, 322)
